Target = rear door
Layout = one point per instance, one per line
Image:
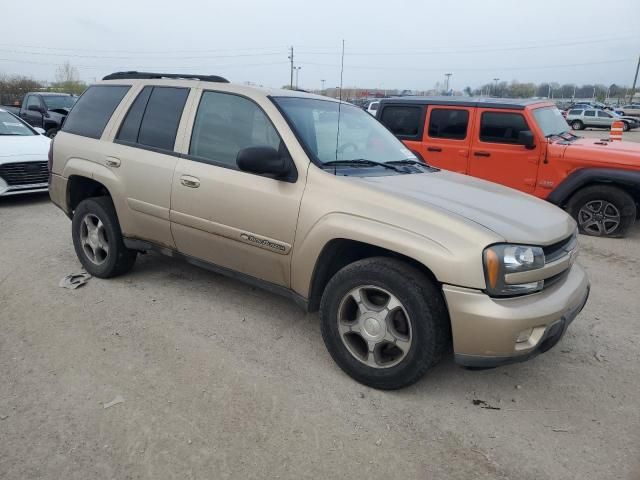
(496, 154)
(447, 138)
(144, 158)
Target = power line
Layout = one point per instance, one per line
(169, 68)
(142, 52)
(119, 57)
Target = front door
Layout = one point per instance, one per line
(33, 117)
(234, 219)
(496, 154)
(447, 138)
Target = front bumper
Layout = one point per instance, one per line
(6, 190)
(485, 329)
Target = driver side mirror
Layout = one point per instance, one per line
(266, 161)
(34, 108)
(526, 139)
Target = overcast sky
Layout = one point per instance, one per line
(389, 44)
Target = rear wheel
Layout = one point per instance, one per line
(603, 211)
(97, 239)
(577, 125)
(384, 322)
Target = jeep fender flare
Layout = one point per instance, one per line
(586, 176)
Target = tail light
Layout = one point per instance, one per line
(50, 155)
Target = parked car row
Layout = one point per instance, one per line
(580, 118)
(46, 110)
(526, 145)
(318, 201)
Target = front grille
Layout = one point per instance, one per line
(560, 249)
(554, 279)
(25, 173)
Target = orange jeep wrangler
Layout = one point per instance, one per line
(526, 145)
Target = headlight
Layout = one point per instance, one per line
(500, 260)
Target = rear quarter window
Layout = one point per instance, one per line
(91, 113)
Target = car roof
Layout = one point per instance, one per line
(507, 103)
(54, 94)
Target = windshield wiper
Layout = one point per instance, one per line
(407, 161)
(360, 162)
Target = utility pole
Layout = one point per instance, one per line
(495, 88)
(322, 81)
(635, 80)
(291, 58)
(446, 83)
(549, 94)
(297, 69)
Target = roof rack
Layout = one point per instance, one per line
(150, 75)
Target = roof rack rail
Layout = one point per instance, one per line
(151, 75)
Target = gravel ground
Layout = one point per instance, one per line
(220, 380)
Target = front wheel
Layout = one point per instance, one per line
(625, 127)
(97, 239)
(577, 125)
(384, 322)
(52, 132)
(603, 211)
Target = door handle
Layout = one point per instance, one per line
(112, 162)
(482, 154)
(188, 181)
(434, 149)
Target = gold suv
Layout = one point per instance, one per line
(315, 200)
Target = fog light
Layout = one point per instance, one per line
(524, 335)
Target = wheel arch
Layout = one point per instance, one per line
(80, 187)
(626, 180)
(340, 252)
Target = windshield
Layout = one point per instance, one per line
(360, 137)
(59, 101)
(550, 121)
(10, 125)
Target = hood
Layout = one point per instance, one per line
(15, 148)
(514, 216)
(60, 111)
(624, 154)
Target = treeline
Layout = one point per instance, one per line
(516, 89)
(13, 87)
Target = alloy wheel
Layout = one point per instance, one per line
(599, 217)
(374, 326)
(94, 240)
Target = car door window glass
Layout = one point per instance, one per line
(603, 114)
(91, 113)
(502, 127)
(130, 127)
(590, 113)
(448, 123)
(33, 100)
(227, 123)
(402, 120)
(162, 116)
(575, 112)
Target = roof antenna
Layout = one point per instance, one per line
(339, 107)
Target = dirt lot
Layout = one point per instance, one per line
(223, 381)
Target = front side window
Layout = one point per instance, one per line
(603, 114)
(94, 108)
(496, 127)
(402, 120)
(227, 123)
(590, 113)
(330, 135)
(32, 100)
(11, 126)
(448, 123)
(575, 112)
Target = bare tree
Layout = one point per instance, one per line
(67, 73)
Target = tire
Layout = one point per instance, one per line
(625, 127)
(52, 132)
(420, 323)
(603, 211)
(101, 253)
(577, 125)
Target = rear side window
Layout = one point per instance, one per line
(402, 120)
(227, 123)
(154, 116)
(498, 127)
(91, 113)
(446, 123)
(590, 113)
